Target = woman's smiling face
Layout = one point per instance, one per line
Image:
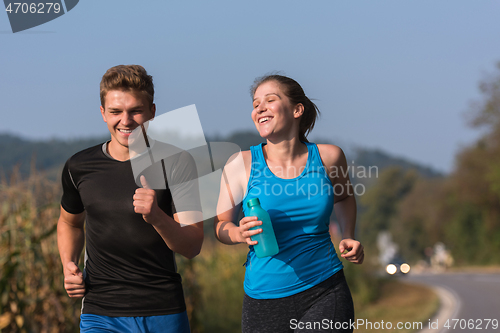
(272, 110)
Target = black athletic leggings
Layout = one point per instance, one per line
(326, 307)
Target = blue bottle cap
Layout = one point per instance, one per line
(253, 202)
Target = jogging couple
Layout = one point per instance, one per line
(131, 229)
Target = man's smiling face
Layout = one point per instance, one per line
(124, 110)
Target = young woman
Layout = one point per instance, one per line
(298, 183)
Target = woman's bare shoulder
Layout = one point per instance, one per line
(330, 154)
(237, 171)
(245, 156)
(238, 163)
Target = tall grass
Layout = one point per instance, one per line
(32, 295)
(213, 285)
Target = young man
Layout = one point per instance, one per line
(129, 283)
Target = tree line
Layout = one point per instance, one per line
(462, 209)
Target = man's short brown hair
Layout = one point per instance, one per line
(128, 77)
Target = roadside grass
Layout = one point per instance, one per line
(213, 286)
(398, 302)
(491, 269)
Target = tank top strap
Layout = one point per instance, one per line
(258, 161)
(314, 156)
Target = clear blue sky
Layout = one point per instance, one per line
(396, 75)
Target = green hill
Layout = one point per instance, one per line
(50, 155)
(47, 155)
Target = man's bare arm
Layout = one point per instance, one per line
(70, 241)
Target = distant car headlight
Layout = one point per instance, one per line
(405, 268)
(391, 269)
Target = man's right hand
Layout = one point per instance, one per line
(73, 280)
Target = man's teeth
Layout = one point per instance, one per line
(263, 120)
(125, 131)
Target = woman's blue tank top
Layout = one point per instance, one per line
(300, 210)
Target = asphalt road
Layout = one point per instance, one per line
(470, 301)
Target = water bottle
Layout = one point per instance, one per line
(267, 244)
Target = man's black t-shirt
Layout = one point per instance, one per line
(129, 270)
